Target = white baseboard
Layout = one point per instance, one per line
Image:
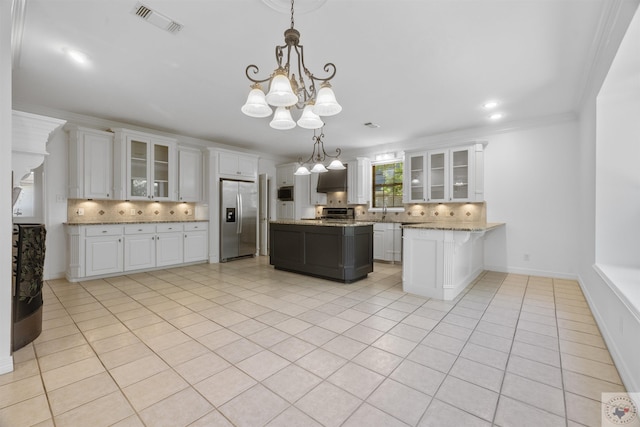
(6, 365)
(531, 272)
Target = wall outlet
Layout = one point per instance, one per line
(132, 212)
(60, 198)
(80, 211)
(526, 257)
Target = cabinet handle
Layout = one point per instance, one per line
(139, 229)
(157, 237)
(107, 194)
(185, 236)
(119, 240)
(104, 231)
(153, 237)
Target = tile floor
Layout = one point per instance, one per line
(243, 344)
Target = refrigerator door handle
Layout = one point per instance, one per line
(239, 218)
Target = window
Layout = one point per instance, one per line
(387, 185)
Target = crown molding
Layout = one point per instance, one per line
(18, 13)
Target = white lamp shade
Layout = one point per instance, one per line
(318, 168)
(309, 119)
(256, 105)
(282, 119)
(280, 92)
(326, 104)
(336, 165)
(302, 170)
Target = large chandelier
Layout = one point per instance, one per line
(318, 157)
(286, 90)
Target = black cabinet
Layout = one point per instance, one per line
(342, 253)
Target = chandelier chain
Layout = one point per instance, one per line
(292, 14)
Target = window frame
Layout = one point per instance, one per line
(373, 208)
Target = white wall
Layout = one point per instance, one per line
(531, 181)
(6, 361)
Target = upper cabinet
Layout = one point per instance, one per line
(285, 175)
(359, 181)
(90, 163)
(190, 175)
(447, 175)
(237, 166)
(150, 166)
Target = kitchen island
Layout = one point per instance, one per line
(440, 259)
(335, 250)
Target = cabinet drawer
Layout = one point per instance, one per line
(139, 229)
(169, 227)
(199, 226)
(106, 230)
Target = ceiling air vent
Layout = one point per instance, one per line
(159, 20)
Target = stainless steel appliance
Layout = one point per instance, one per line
(338, 214)
(238, 219)
(285, 194)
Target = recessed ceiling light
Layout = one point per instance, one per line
(495, 116)
(490, 104)
(76, 55)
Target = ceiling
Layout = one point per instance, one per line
(414, 67)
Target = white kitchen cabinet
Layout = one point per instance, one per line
(359, 181)
(446, 175)
(103, 249)
(285, 210)
(196, 242)
(139, 246)
(316, 198)
(285, 175)
(90, 163)
(190, 174)
(387, 242)
(237, 166)
(150, 166)
(169, 244)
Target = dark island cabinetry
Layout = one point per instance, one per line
(342, 252)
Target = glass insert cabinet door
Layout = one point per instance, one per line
(417, 174)
(160, 171)
(460, 174)
(437, 175)
(139, 158)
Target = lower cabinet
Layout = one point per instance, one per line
(387, 242)
(102, 250)
(286, 210)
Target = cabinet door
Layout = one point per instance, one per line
(378, 243)
(189, 175)
(169, 249)
(438, 166)
(103, 255)
(397, 243)
(416, 178)
(161, 179)
(98, 165)
(138, 168)
(195, 246)
(285, 176)
(285, 210)
(139, 251)
(228, 164)
(247, 166)
(460, 176)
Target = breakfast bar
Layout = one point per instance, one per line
(335, 250)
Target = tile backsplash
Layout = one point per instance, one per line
(120, 211)
(415, 212)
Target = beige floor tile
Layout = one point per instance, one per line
(417, 376)
(104, 411)
(496, 329)
(21, 390)
(219, 338)
(132, 421)
(583, 410)
(578, 326)
(138, 370)
(239, 350)
(124, 355)
(268, 337)
(536, 371)
(321, 362)
(292, 382)
(536, 339)
(367, 415)
(202, 367)
(154, 389)
(356, 379)
(484, 355)
(71, 373)
(49, 347)
(292, 417)
(599, 370)
(344, 347)
(468, 397)
(254, 407)
(201, 329)
(444, 342)
(183, 352)
(115, 342)
(328, 404)
(316, 335)
(293, 348)
(400, 401)
(142, 321)
(454, 331)
(166, 341)
(587, 351)
(534, 393)
(213, 418)
(588, 386)
(224, 386)
(440, 414)
(81, 392)
(21, 371)
(64, 357)
(433, 358)
(262, 365)
(177, 410)
(26, 413)
(582, 338)
(538, 354)
(477, 373)
(379, 323)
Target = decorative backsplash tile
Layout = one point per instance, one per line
(119, 211)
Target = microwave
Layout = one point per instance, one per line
(285, 194)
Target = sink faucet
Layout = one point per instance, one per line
(384, 209)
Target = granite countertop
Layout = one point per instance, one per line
(134, 222)
(323, 222)
(461, 226)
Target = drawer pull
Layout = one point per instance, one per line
(104, 231)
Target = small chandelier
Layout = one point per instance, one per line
(286, 90)
(318, 157)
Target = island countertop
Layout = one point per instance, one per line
(323, 222)
(460, 226)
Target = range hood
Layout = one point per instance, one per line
(333, 180)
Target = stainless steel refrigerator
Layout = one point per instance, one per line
(238, 219)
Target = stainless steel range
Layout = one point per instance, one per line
(338, 214)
